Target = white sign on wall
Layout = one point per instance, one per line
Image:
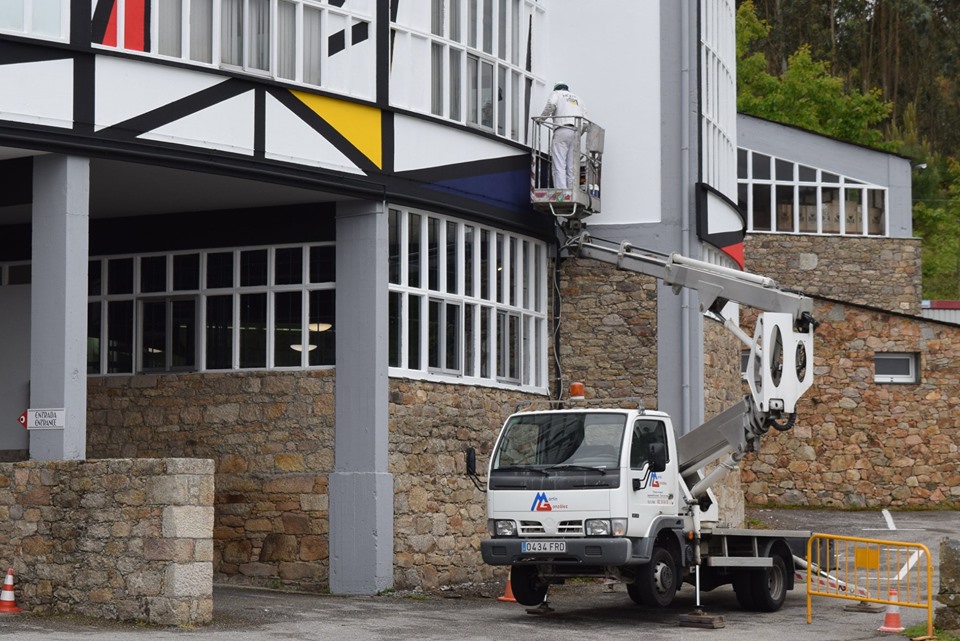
(44, 419)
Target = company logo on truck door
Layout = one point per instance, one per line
(542, 503)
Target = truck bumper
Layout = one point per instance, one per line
(592, 551)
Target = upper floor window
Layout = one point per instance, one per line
(39, 18)
(466, 302)
(312, 42)
(479, 53)
(782, 196)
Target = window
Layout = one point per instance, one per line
(321, 44)
(453, 315)
(784, 197)
(49, 19)
(891, 367)
(478, 56)
(646, 432)
(268, 307)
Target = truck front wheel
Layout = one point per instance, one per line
(528, 587)
(656, 582)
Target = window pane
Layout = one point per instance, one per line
(486, 96)
(761, 207)
(120, 276)
(501, 103)
(761, 167)
(393, 258)
(258, 34)
(468, 250)
(488, 26)
(434, 333)
(322, 331)
(784, 207)
(154, 338)
(472, 23)
(436, 79)
(120, 336)
(253, 268)
(499, 275)
(892, 365)
(454, 20)
(93, 338)
(413, 251)
(484, 264)
(220, 269)
(183, 334)
(286, 40)
(502, 31)
(170, 28)
(231, 32)
(510, 274)
(515, 32)
(201, 30)
(436, 17)
(742, 163)
(808, 209)
(876, 212)
(808, 174)
(94, 277)
(153, 274)
(11, 15)
(219, 332)
(852, 211)
(288, 266)
(395, 328)
(253, 330)
(486, 335)
(452, 337)
(455, 87)
(413, 332)
(784, 170)
(469, 350)
(323, 264)
(830, 210)
(453, 261)
(473, 84)
(288, 328)
(46, 17)
(312, 43)
(186, 272)
(433, 254)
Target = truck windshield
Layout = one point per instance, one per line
(585, 439)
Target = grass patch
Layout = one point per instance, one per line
(921, 631)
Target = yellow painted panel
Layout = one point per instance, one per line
(867, 558)
(359, 124)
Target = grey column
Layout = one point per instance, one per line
(58, 309)
(361, 488)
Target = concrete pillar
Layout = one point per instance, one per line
(58, 308)
(361, 488)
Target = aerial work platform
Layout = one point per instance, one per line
(583, 198)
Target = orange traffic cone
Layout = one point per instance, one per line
(891, 620)
(8, 602)
(508, 592)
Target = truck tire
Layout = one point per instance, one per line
(743, 588)
(657, 581)
(769, 586)
(528, 587)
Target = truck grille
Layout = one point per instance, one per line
(564, 528)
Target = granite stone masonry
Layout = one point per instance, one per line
(948, 616)
(123, 539)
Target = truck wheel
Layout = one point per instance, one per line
(528, 587)
(656, 582)
(770, 586)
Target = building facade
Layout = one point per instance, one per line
(295, 236)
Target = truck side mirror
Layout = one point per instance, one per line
(657, 457)
(471, 456)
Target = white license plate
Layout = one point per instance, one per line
(544, 546)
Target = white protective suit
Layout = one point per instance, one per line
(564, 106)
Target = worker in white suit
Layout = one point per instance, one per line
(565, 107)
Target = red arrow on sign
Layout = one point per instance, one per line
(23, 420)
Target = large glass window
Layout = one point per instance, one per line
(781, 196)
(48, 19)
(299, 41)
(218, 310)
(438, 326)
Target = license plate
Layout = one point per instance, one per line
(544, 546)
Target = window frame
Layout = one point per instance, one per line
(911, 378)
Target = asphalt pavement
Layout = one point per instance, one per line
(587, 609)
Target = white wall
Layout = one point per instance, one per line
(609, 54)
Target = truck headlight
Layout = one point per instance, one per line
(502, 527)
(605, 527)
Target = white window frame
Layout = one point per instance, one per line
(911, 358)
(27, 26)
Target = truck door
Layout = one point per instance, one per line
(654, 491)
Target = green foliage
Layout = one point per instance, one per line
(937, 221)
(805, 94)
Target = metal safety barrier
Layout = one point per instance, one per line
(870, 571)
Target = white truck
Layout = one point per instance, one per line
(612, 492)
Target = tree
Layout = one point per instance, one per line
(805, 94)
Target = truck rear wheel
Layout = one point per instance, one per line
(769, 586)
(657, 581)
(528, 587)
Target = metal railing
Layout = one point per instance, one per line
(870, 571)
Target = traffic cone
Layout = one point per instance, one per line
(8, 601)
(891, 620)
(508, 592)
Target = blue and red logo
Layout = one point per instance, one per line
(541, 503)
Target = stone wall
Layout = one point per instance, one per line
(948, 616)
(858, 443)
(879, 272)
(111, 539)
